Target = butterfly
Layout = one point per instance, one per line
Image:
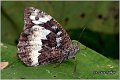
(43, 40)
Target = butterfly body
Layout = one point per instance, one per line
(43, 40)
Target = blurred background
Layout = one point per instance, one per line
(101, 19)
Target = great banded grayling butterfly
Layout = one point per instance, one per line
(43, 40)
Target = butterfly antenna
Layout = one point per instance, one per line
(82, 32)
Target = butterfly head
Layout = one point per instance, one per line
(75, 49)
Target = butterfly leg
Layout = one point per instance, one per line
(60, 61)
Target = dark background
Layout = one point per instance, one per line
(101, 19)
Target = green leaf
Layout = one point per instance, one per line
(87, 64)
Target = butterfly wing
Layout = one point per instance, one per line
(43, 39)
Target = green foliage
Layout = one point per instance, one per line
(84, 66)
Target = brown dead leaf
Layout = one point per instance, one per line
(3, 65)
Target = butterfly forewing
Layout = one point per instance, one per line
(43, 39)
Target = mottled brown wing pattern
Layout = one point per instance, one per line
(57, 41)
(43, 39)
